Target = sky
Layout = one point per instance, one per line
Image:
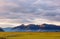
(16, 12)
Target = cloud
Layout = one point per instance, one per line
(29, 11)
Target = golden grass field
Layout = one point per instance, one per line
(29, 35)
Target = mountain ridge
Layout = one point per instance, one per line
(36, 28)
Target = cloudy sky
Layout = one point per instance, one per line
(16, 12)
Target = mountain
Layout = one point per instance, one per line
(19, 28)
(1, 30)
(30, 27)
(34, 28)
(50, 27)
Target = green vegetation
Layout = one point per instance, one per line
(29, 35)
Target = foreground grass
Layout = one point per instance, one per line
(29, 35)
